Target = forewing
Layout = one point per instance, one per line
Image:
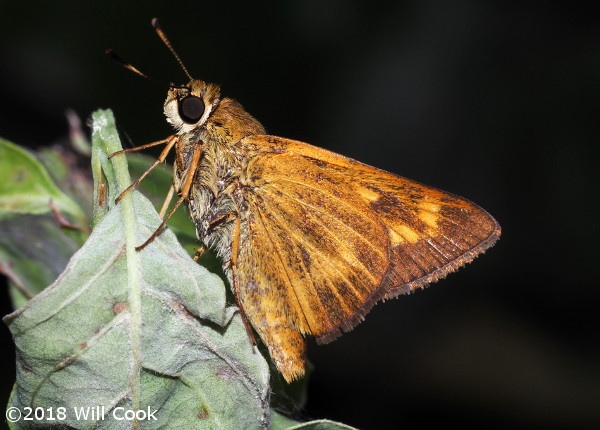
(329, 236)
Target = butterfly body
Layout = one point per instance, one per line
(310, 240)
(214, 197)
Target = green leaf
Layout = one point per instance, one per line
(27, 188)
(33, 246)
(66, 169)
(281, 422)
(36, 250)
(105, 141)
(138, 330)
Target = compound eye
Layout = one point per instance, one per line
(191, 109)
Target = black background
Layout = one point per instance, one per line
(494, 101)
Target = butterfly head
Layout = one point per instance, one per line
(187, 107)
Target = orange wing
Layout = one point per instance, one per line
(324, 237)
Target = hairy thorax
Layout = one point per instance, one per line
(215, 198)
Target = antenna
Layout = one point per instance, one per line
(114, 56)
(166, 41)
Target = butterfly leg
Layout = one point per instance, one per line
(141, 147)
(229, 265)
(165, 205)
(183, 195)
(199, 252)
(163, 155)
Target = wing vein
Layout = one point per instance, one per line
(317, 209)
(285, 269)
(335, 238)
(327, 261)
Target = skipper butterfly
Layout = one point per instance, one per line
(310, 240)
